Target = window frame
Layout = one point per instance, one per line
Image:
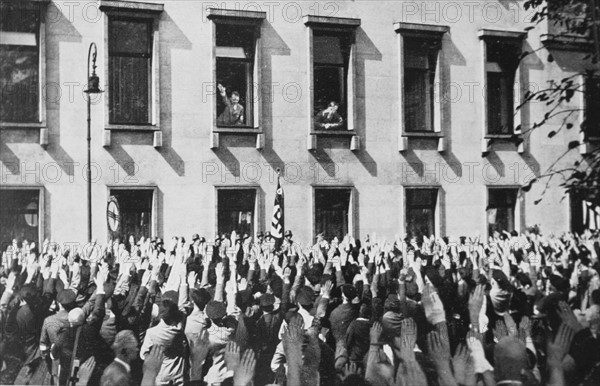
(339, 26)
(437, 209)
(352, 207)
(220, 16)
(433, 35)
(41, 122)
(517, 210)
(506, 38)
(149, 23)
(41, 207)
(258, 205)
(154, 222)
(130, 10)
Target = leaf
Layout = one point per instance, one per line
(550, 58)
(569, 126)
(529, 28)
(551, 134)
(537, 201)
(573, 145)
(569, 94)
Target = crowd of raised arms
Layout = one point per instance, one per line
(515, 309)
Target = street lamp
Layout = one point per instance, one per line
(93, 87)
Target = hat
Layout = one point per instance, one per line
(267, 300)
(260, 234)
(216, 310)
(195, 237)
(288, 233)
(305, 296)
(66, 298)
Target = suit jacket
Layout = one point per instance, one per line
(115, 375)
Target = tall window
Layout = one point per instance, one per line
(19, 216)
(235, 208)
(501, 209)
(502, 60)
(420, 60)
(136, 213)
(420, 212)
(332, 212)
(19, 63)
(331, 53)
(235, 68)
(592, 107)
(130, 69)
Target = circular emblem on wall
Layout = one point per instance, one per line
(113, 214)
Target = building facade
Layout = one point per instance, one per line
(388, 117)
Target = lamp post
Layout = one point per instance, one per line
(93, 87)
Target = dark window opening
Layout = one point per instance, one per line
(235, 46)
(130, 68)
(502, 62)
(420, 60)
(332, 212)
(420, 212)
(501, 210)
(19, 216)
(19, 64)
(584, 214)
(592, 107)
(236, 211)
(136, 214)
(331, 56)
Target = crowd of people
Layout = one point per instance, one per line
(515, 309)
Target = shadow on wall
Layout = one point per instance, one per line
(273, 45)
(63, 31)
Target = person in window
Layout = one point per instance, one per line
(233, 115)
(329, 119)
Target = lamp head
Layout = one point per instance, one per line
(93, 85)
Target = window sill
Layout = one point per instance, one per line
(22, 125)
(499, 136)
(423, 134)
(566, 43)
(237, 130)
(334, 133)
(117, 127)
(217, 131)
